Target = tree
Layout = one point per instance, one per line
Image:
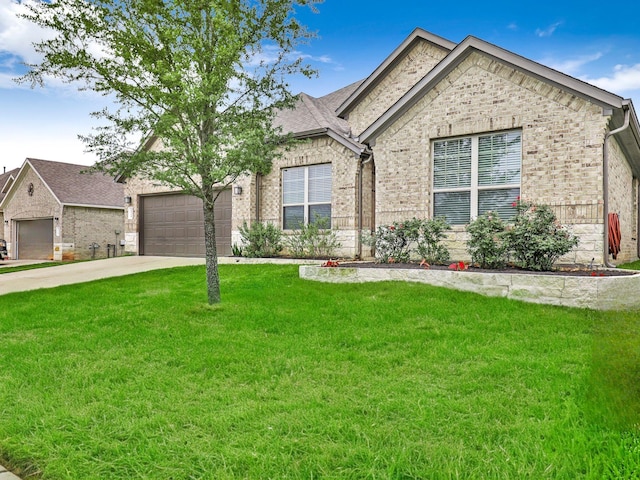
(205, 77)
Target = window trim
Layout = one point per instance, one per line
(306, 203)
(474, 188)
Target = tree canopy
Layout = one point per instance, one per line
(204, 77)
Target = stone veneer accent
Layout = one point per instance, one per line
(599, 293)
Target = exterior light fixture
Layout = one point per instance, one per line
(127, 200)
(237, 190)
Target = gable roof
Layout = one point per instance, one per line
(390, 62)
(6, 180)
(472, 44)
(71, 186)
(313, 116)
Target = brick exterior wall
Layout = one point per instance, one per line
(81, 227)
(414, 65)
(562, 138)
(623, 201)
(344, 197)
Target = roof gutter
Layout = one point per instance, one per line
(605, 182)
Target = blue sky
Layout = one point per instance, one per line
(594, 41)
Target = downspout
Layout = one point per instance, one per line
(258, 182)
(605, 182)
(363, 162)
(638, 217)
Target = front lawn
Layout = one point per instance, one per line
(136, 377)
(631, 266)
(30, 266)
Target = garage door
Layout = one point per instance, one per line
(173, 225)
(35, 239)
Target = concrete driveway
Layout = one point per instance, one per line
(109, 267)
(86, 271)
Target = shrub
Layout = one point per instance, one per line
(536, 238)
(393, 242)
(430, 234)
(488, 243)
(236, 250)
(261, 239)
(313, 240)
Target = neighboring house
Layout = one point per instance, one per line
(55, 211)
(444, 129)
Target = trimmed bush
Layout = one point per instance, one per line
(395, 243)
(430, 235)
(536, 238)
(261, 240)
(488, 242)
(314, 240)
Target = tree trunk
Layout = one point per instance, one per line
(211, 253)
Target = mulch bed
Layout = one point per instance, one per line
(567, 270)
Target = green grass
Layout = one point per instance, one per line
(136, 377)
(32, 266)
(631, 266)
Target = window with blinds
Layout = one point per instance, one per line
(473, 175)
(306, 196)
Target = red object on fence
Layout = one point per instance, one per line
(614, 235)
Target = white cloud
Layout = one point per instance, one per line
(624, 78)
(271, 53)
(547, 32)
(320, 59)
(7, 81)
(17, 34)
(572, 66)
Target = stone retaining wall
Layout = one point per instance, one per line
(599, 293)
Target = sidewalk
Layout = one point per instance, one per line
(6, 474)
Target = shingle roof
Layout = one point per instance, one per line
(4, 178)
(71, 186)
(312, 114)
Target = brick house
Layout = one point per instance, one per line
(447, 129)
(54, 211)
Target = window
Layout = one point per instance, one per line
(473, 175)
(306, 195)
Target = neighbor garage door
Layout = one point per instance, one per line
(173, 225)
(35, 239)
